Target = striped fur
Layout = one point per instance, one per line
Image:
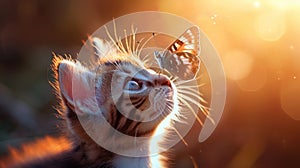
(120, 106)
(118, 84)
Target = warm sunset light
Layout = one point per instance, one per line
(270, 26)
(237, 64)
(290, 96)
(255, 80)
(257, 41)
(39, 149)
(256, 4)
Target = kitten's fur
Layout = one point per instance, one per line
(83, 151)
(117, 83)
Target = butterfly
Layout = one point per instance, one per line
(181, 57)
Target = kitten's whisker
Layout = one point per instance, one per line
(169, 108)
(120, 45)
(133, 39)
(138, 45)
(115, 32)
(206, 112)
(194, 95)
(181, 137)
(198, 104)
(193, 112)
(150, 65)
(196, 98)
(188, 86)
(165, 114)
(203, 109)
(169, 100)
(189, 92)
(126, 42)
(112, 40)
(173, 79)
(179, 82)
(187, 81)
(117, 40)
(130, 44)
(194, 162)
(146, 59)
(118, 66)
(144, 44)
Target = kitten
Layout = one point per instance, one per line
(118, 88)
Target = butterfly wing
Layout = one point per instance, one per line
(181, 57)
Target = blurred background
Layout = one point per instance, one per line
(258, 42)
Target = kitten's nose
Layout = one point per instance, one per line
(162, 80)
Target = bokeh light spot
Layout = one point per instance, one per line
(214, 18)
(255, 80)
(290, 96)
(238, 64)
(256, 4)
(270, 26)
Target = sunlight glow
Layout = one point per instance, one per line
(270, 26)
(255, 80)
(282, 4)
(257, 4)
(238, 64)
(39, 149)
(289, 96)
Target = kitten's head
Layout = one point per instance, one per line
(132, 97)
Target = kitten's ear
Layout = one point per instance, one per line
(76, 85)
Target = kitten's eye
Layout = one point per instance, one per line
(133, 85)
